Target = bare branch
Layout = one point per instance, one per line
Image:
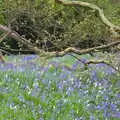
(42, 53)
(19, 38)
(100, 61)
(83, 51)
(95, 62)
(113, 27)
(15, 50)
(5, 35)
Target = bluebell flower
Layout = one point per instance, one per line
(21, 98)
(84, 60)
(113, 107)
(25, 86)
(78, 63)
(29, 57)
(92, 117)
(118, 95)
(75, 65)
(99, 107)
(41, 110)
(43, 96)
(116, 115)
(109, 71)
(10, 66)
(60, 85)
(100, 65)
(106, 114)
(94, 76)
(77, 83)
(63, 76)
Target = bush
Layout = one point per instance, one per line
(52, 26)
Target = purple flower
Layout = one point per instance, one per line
(113, 107)
(100, 65)
(116, 115)
(30, 57)
(78, 64)
(25, 86)
(94, 75)
(75, 65)
(77, 83)
(118, 95)
(63, 76)
(109, 71)
(10, 66)
(21, 98)
(99, 107)
(105, 83)
(83, 60)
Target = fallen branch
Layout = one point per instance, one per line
(42, 53)
(19, 38)
(100, 61)
(4, 36)
(94, 62)
(2, 59)
(14, 50)
(83, 51)
(114, 29)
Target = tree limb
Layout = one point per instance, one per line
(4, 36)
(83, 51)
(94, 62)
(19, 38)
(42, 53)
(101, 61)
(114, 29)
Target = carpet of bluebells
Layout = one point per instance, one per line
(31, 91)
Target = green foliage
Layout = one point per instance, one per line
(2, 19)
(52, 92)
(52, 26)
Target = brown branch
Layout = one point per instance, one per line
(83, 51)
(101, 61)
(19, 38)
(2, 59)
(94, 62)
(42, 53)
(114, 29)
(5, 35)
(15, 50)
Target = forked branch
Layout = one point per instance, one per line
(42, 53)
(113, 28)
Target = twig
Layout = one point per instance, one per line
(94, 62)
(42, 53)
(4, 36)
(15, 50)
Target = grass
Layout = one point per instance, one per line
(30, 91)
